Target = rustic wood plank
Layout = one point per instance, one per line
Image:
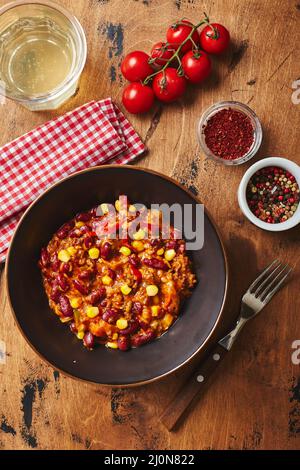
(254, 401)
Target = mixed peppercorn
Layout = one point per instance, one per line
(273, 195)
(120, 292)
(229, 134)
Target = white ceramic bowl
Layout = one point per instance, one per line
(288, 165)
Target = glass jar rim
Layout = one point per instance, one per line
(58, 91)
(213, 109)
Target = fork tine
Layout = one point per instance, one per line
(277, 287)
(275, 282)
(265, 271)
(267, 280)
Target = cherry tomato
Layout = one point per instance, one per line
(161, 53)
(196, 66)
(168, 85)
(214, 38)
(177, 33)
(135, 66)
(137, 98)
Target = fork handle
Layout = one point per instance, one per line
(195, 385)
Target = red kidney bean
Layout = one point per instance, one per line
(45, 257)
(65, 306)
(62, 282)
(132, 328)
(84, 216)
(88, 242)
(55, 294)
(89, 340)
(139, 340)
(143, 324)
(55, 263)
(137, 308)
(155, 242)
(66, 268)
(65, 229)
(83, 289)
(103, 303)
(171, 244)
(62, 233)
(161, 313)
(155, 263)
(106, 250)
(134, 260)
(86, 274)
(75, 233)
(110, 315)
(84, 229)
(112, 274)
(73, 327)
(124, 343)
(97, 295)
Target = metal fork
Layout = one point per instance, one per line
(258, 295)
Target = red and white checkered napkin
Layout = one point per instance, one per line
(94, 134)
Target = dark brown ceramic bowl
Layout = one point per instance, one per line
(52, 340)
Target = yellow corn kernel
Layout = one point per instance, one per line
(167, 320)
(156, 300)
(75, 302)
(122, 323)
(132, 208)
(154, 324)
(115, 336)
(94, 253)
(160, 252)
(81, 327)
(139, 235)
(125, 250)
(125, 289)
(79, 224)
(155, 309)
(65, 319)
(112, 345)
(71, 250)
(170, 254)
(106, 280)
(80, 334)
(138, 245)
(92, 312)
(151, 290)
(104, 208)
(63, 256)
(117, 205)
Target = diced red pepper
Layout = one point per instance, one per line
(137, 273)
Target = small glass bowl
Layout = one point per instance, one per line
(215, 108)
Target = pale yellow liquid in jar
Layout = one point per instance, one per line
(39, 66)
(38, 57)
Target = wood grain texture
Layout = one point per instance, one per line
(254, 400)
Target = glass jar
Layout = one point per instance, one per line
(42, 54)
(235, 105)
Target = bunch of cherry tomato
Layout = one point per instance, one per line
(165, 72)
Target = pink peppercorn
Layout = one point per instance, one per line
(271, 198)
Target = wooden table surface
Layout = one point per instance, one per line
(254, 400)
